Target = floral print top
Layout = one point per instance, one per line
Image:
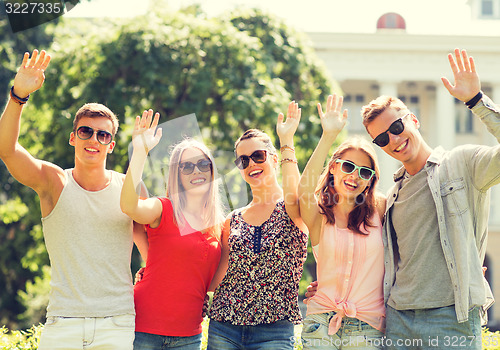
(261, 284)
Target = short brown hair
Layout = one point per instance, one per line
(95, 110)
(377, 106)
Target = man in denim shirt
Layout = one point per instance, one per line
(436, 225)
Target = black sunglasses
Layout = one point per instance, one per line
(243, 161)
(396, 128)
(203, 165)
(86, 132)
(348, 167)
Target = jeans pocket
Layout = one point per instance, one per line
(315, 325)
(311, 328)
(125, 321)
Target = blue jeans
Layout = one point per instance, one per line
(147, 341)
(270, 336)
(432, 329)
(353, 334)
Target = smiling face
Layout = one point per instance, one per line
(257, 173)
(350, 185)
(404, 147)
(198, 182)
(91, 151)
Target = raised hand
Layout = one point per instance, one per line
(30, 75)
(144, 136)
(286, 129)
(333, 121)
(467, 83)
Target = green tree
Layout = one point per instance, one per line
(234, 72)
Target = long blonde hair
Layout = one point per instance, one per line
(213, 211)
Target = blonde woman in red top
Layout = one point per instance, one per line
(182, 246)
(344, 215)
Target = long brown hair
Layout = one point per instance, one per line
(365, 204)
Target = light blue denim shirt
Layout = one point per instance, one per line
(460, 182)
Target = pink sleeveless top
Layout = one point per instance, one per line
(350, 269)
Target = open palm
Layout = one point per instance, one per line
(333, 120)
(467, 83)
(287, 128)
(30, 75)
(144, 135)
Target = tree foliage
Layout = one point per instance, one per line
(234, 72)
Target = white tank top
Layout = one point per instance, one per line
(89, 241)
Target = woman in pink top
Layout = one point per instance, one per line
(182, 247)
(344, 216)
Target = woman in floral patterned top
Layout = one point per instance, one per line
(264, 249)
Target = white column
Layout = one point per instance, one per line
(444, 122)
(387, 164)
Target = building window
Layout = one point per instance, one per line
(412, 102)
(487, 8)
(464, 119)
(353, 103)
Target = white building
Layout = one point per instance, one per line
(391, 61)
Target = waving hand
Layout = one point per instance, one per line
(467, 83)
(333, 120)
(30, 76)
(286, 129)
(144, 136)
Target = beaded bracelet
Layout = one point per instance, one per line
(18, 99)
(288, 160)
(286, 147)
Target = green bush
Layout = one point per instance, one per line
(17, 340)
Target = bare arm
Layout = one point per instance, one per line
(141, 240)
(286, 130)
(224, 258)
(143, 211)
(37, 174)
(332, 122)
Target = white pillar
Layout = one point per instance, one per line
(387, 164)
(444, 122)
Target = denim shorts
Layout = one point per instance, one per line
(270, 336)
(353, 334)
(147, 341)
(432, 329)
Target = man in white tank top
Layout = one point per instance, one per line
(88, 238)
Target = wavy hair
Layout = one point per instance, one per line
(365, 203)
(213, 210)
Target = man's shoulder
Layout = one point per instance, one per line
(118, 175)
